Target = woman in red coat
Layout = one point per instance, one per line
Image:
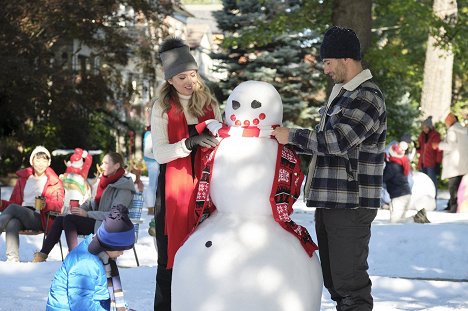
(429, 158)
(19, 213)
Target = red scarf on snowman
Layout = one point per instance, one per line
(285, 190)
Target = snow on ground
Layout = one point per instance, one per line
(412, 266)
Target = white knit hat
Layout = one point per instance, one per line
(39, 149)
(398, 150)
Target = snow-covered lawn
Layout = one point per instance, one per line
(412, 266)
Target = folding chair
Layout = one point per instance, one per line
(134, 212)
(36, 232)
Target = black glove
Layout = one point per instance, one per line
(202, 140)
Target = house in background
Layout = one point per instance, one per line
(204, 37)
(194, 24)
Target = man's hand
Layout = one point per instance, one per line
(281, 134)
(435, 145)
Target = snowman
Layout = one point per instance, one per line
(75, 178)
(247, 253)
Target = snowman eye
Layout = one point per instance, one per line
(235, 105)
(255, 104)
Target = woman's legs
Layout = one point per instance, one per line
(53, 236)
(12, 240)
(73, 225)
(13, 219)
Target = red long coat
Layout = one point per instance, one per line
(429, 157)
(53, 193)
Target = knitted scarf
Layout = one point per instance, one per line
(240, 131)
(104, 181)
(180, 183)
(117, 301)
(403, 161)
(285, 191)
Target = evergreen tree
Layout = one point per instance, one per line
(285, 60)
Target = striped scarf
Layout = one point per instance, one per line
(115, 287)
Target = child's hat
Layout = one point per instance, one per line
(398, 150)
(116, 232)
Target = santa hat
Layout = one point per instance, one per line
(116, 232)
(36, 151)
(76, 159)
(398, 150)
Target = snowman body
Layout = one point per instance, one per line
(240, 258)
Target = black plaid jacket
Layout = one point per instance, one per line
(348, 147)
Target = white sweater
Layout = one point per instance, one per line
(164, 151)
(455, 148)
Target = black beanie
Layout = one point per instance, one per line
(339, 42)
(116, 232)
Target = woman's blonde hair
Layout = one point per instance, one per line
(201, 99)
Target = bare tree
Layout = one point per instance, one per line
(357, 15)
(438, 68)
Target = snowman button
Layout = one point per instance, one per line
(208, 244)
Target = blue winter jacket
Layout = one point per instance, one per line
(80, 283)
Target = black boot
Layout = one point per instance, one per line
(421, 217)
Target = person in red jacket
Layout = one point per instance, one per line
(19, 213)
(429, 158)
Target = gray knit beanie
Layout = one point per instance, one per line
(175, 57)
(428, 122)
(340, 42)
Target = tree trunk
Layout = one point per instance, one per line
(437, 86)
(357, 15)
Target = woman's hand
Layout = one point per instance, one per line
(79, 211)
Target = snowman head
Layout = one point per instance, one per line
(254, 103)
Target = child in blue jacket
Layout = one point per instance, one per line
(89, 278)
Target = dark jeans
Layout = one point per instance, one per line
(73, 225)
(453, 185)
(343, 239)
(162, 295)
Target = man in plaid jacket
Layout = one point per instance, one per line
(345, 173)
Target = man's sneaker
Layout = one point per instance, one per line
(421, 217)
(39, 257)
